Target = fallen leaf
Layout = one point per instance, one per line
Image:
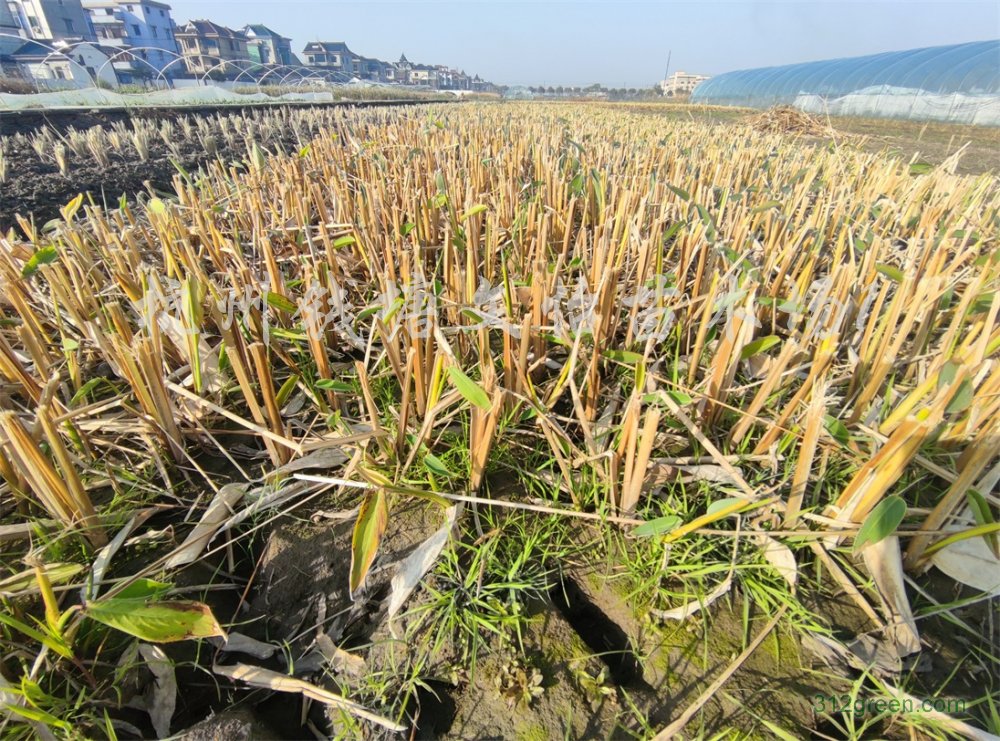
(885, 564)
(972, 563)
(217, 512)
(685, 611)
(339, 660)
(780, 556)
(257, 677)
(239, 643)
(414, 566)
(161, 700)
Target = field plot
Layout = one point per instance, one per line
(503, 421)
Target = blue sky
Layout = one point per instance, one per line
(614, 43)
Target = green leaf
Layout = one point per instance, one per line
(881, 522)
(837, 429)
(723, 504)
(286, 390)
(477, 209)
(156, 206)
(657, 527)
(947, 375)
(765, 206)
(679, 397)
(69, 210)
(277, 301)
(344, 241)
(468, 388)
(962, 398)
(57, 573)
(434, 464)
(761, 344)
(54, 642)
(622, 356)
(990, 529)
(156, 622)
(44, 256)
(406, 228)
(144, 589)
(680, 193)
(920, 168)
(38, 716)
(86, 388)
(258, 160)
(984, 516)
(368, 530)
(890, 272)
(328, 384)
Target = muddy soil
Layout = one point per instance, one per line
(585, 666)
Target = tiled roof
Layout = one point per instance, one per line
(208, 28)
(328, 46)
(259, 29)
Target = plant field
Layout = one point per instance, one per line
(503, 420)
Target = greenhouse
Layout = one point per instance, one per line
(959, 83)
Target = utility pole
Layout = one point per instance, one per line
(667, 73)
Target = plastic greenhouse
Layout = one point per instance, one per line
(959, 83)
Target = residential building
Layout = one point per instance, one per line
(145, 26)
(8, 27)
(402, 69)
(207, 46)
(52, 19)
(681, 83)
(423, 74)
(266, 46)
(331, 57)
(452, 79)
(63, 65)
(375, 70)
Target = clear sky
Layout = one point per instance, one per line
(613, 43)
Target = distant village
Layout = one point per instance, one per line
(113, 43)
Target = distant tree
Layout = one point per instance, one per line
(560, 90)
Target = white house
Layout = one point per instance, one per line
(63, 66)
(681, 83)
(52, 19)
(145, 26)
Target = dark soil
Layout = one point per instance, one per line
(36, 189)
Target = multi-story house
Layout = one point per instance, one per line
(266, 46)
(332, 58)
(423, 74)
(206, 46)
(375, 70)
(452, 79)
(146, 27)
(50, 20)
(681, 83)
(8, 27)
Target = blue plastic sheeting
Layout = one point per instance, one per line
(958, 83)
